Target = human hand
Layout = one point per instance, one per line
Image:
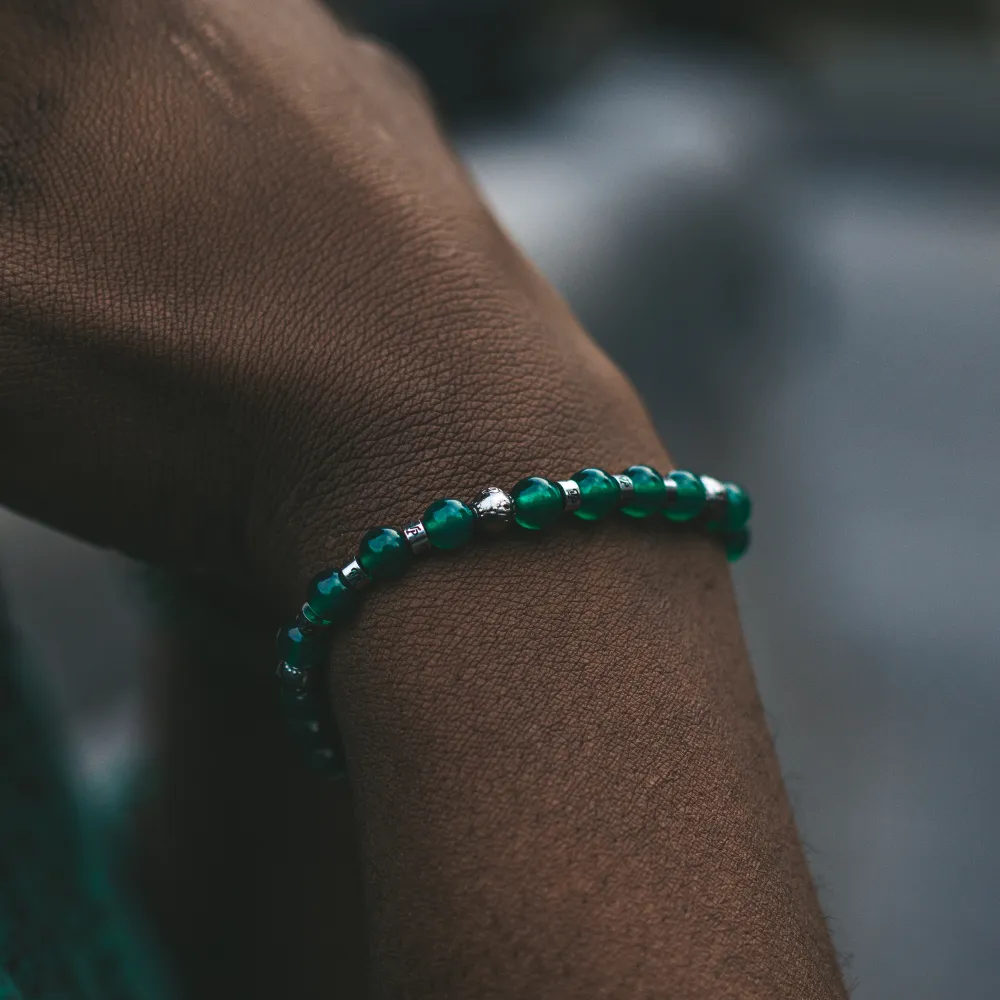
(250, 303)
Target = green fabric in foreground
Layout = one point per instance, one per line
(64, 932)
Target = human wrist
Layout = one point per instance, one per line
(345, 458)
(533, 716)
(385, 554)
(523, 713)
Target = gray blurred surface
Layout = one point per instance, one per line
(822, 327)
(852, 382)
(872, 608)
(79, 613)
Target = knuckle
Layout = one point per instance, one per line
(393, 67)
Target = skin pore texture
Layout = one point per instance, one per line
(251, 305)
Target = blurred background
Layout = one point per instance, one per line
(783, 220)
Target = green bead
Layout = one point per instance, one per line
(650, 492)
(737, 543)
(448, 524)
(300, 650)
(330, 599)
(329, 761)
(599, 494)
(298, 705)
(687, 497)
(308, 715)
(308, 727)
(738, 508)
(384, 554)
(537, 503)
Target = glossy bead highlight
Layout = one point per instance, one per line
(449, 524)
(329, 599)
(687, 499)
(298, 649)
(738, 509)
(537, 503)
(599, 494)
(384, 554)
(649, 493)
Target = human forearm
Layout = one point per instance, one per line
(565, 783)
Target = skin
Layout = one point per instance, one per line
(250, 305)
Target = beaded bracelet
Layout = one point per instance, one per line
(723, 509)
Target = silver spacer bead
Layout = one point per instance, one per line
(717, 498)
(293, 678)
(493, 508)
(354, 576)
(417, 538)
(626, 490)
(572, 497)
(306, 625)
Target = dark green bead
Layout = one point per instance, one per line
(310, 732)
(329, 599)
(299, 705)
(310, 722)
(448, 524)
(328, 760)
(310, 619)
(537, 503)
(737, 543)
(686, 498)
(599, 494)
(306, 711)
(384, 554)
(738, 507)
(650, 492)
(300, 650)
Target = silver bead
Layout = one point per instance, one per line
(354, 576)
(626, 490)
(493, 509)
(717, 498)
(295, 679)
(572, 497)
(306, 625)
(671, 485)
(417, 538)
